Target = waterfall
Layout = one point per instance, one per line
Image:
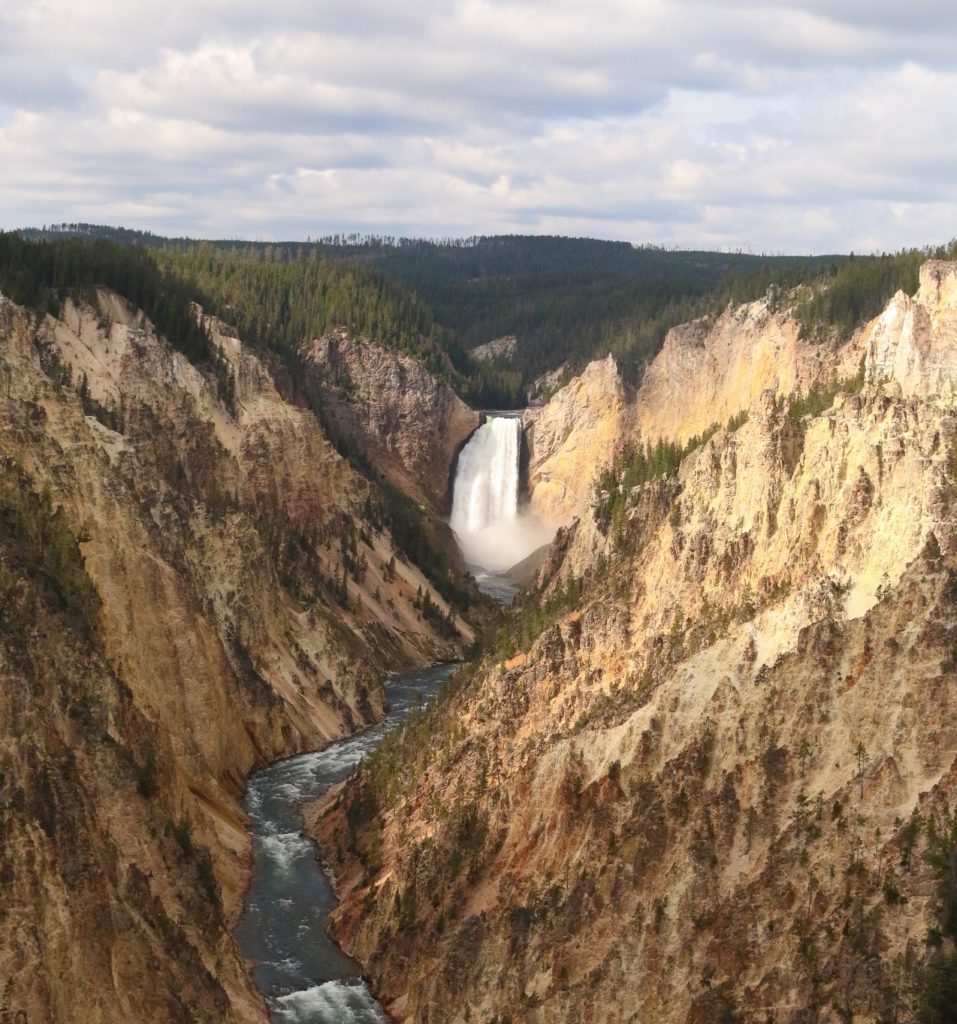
(492, 532)
(486, 484)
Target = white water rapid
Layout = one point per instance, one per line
(492, 531)
(303, 975)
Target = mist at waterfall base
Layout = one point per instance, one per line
(491, 529)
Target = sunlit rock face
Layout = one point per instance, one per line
(711, 369)
(914, 341)
(684, 796)
(570, 438)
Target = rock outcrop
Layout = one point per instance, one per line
(702, 791)
(544, 386)
(570, 438)
(710, 370)
(497, 348)
(240, 608)
(406, 423)
(914, 342)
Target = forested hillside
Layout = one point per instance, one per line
(571, 300)
(274, 306)
(568, 300)
(576, 299)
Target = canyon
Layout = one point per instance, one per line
(239, 599)
(691, 775)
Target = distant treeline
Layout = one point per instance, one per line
(568, 300)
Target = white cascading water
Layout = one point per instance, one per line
(486, 483)
(493, 534)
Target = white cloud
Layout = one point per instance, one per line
(794, 125)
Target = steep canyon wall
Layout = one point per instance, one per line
(228, 602)
(702, 790)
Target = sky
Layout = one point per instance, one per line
(797, 126)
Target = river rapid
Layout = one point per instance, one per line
(303, 976)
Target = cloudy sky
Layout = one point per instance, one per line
(797, 126)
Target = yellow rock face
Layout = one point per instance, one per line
(709, 371)
(687, 798)
(914, 342)
(570, 438)
(706, 373)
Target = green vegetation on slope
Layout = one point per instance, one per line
(568, 300)
(272, 303)
(638, 463)
(41, 274)
(820, 398)
(279, 304)
(575, 299)
(847, 295)
(37, 545)
(278, 299)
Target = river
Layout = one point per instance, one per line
(304, 977)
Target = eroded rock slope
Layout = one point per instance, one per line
(409, 425)
(570, 437)
(192, 583)
(698, 782)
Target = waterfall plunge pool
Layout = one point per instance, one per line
(303, 975)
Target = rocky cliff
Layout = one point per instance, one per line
(497, 348)
(710, 370)
(707, 372)
(192, 583)
(406, 423)
(713, 369)
(570, 437)
(709, 775)
(915, 341)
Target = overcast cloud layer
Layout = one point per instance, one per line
(804, 125)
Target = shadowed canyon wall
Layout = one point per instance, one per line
(192, 583)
